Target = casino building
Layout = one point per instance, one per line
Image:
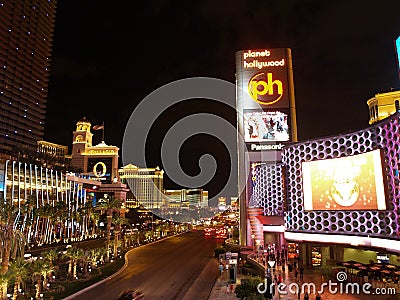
(344, 190)
(327, 199)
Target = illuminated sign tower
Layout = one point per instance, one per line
(100, 162)
(266, 116)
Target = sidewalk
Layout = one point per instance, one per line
(311, 276)
(219, 291)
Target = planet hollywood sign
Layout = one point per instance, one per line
(260, 64)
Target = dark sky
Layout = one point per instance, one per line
(109, 55)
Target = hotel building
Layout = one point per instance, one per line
(146, 185)
(26, 35)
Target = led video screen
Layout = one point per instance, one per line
(266, 126)
(346, 183)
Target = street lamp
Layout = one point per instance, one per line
(271, 265)
(258, 247)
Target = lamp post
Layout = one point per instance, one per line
(258, 248)
(271, 265)
(252, 241)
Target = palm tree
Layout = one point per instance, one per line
(61, 215)
(12, 240)
(4, 279)
(19, 272)
(41, 268)
(131, 238)
(94, 216)
(110, 206)
(74, 254)
(118, 221)
(97, 254)
(86, 210)
(45, 213)
(51, 255)
(86, 259)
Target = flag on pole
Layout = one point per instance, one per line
(98, 127)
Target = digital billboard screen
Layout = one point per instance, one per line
(266, 126)
(346, 183)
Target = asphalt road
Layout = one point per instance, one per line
(162, 270)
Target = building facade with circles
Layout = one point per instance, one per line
(338, 196)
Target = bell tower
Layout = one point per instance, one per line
(81, 141)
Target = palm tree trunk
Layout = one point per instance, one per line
(70, 267)
(115, 244)
(108, 234)
(16, 288)
(3, 289)
(74, 272)
(5, 259)
(45, 282)
(38, 287)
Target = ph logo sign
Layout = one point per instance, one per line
(264, 89)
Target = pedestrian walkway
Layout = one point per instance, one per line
(220, 290)
(312, 277)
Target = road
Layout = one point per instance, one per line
(162, 270)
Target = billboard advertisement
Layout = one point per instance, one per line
(346, 183)
(266, 114)
(263, 78)
(266, 126)
(101, 167)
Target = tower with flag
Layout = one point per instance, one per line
(100, 159)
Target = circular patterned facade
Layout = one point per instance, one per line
(269, 190)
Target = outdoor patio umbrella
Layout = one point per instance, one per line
(352, 264)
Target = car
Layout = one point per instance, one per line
(131, 294)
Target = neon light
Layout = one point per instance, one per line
(353, 240)
(103, 169)
(264, 89)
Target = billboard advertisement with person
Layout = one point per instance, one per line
(346, 183)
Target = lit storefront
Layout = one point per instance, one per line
(339, 195)
(343, 194)
(40, 193)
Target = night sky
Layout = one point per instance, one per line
(108, 56)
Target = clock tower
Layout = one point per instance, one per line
(81, 141)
